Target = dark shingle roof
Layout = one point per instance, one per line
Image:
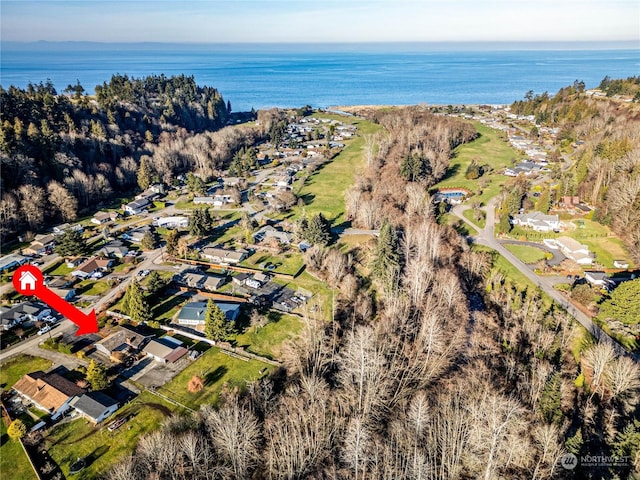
(93, 404)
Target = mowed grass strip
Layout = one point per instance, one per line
(218, 370)
(79, 438)
(13, 460)
(13, 369)
(324, 190)
(526, 253)
(489, 149)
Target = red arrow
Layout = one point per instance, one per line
(28, 280)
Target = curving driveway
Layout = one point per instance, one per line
(486, 237)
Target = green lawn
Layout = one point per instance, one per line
(321, 292)
(59, 268)
(287, 263)
(12, 370)
(267, 341)
(325, 188)
(168, 307)
(13, 461)
(506, 268)
(92, 287)
(470, 214)
(80, 438)
(488, 149)
(217, 369)
(526, 253)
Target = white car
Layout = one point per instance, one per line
(44, 329)
(50, 319)
(97, 275)
(143, 273)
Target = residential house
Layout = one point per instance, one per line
(91, 266)
(574, 250)
(203, 200)
(41, 245)
(165, 350)
(22, 312)
(268, 232)
(201, 281)
(49, 392)
(11, 261)
(240, 278)
(172, 222)
(61, 229)
(598, 279)
(223, 256)
(64, 293)
(193, 313)
(74, 261)
(94, 406)
(114, 249)
(137, 206)
(136, 235)
(570, 201)
(620, 264)
(101, 218)
(538, 221)
(58, 282)
(126, 340)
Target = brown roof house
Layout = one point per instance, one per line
(48, 391)
(126, 340)
(91, 266)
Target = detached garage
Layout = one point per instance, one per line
(165, 350)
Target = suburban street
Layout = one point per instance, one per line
(486, 237)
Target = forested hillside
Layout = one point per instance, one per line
(62, 154)
(435, 367)
(606, 171)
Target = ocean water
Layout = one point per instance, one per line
(263, 76)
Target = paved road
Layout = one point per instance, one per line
(66, 326)
(486, 237)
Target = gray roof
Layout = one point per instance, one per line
(93, 404)
(195, 311)
(161, 347)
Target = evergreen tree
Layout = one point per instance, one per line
(201, 222)
(97, 376)
(318, 230)
(155, 282)
(544, 201)
(216, 325)
(135, 305)
(149, 240)
(144, 173)
(551, 400)
(17, 429)
(71, 243)
(386, 258)
(195, 184)
(624, 303)
(504, 225)
(414, 168)
(172, 242)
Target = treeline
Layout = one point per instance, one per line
(629, 86)
(434, 367)
(606, 171)
(64, 154)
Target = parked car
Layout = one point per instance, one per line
(143, 273)
(50, 319)
(45, 329)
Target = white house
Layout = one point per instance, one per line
(95, 406)
(538, 221)
(598, 279)
(137, 206)
(221, 255)
(620, 264)
(101, 218)
(165, 350)
(172, 222)
(574, 250)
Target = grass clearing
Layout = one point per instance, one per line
(526, 253)
(218, 370)
(324, 190)
(91, 287)
(59, 268)
(12, 370)
(79, 438)
(470, 215)
(506, 268)
(267, 341)
(13, 460)
(489, 149)
(288, 263)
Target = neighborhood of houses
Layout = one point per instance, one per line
(213, 270)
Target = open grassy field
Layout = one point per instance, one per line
(505, 267)
(488, 149)
(267, 341)
(79, 438)
(13, 460)
(92, 287)
(526, 253)
(218, 370)
(288, 263)
(12, 370)
(59, 268)
(324, 189)
(469, 214)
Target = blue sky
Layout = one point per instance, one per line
(320, 20)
